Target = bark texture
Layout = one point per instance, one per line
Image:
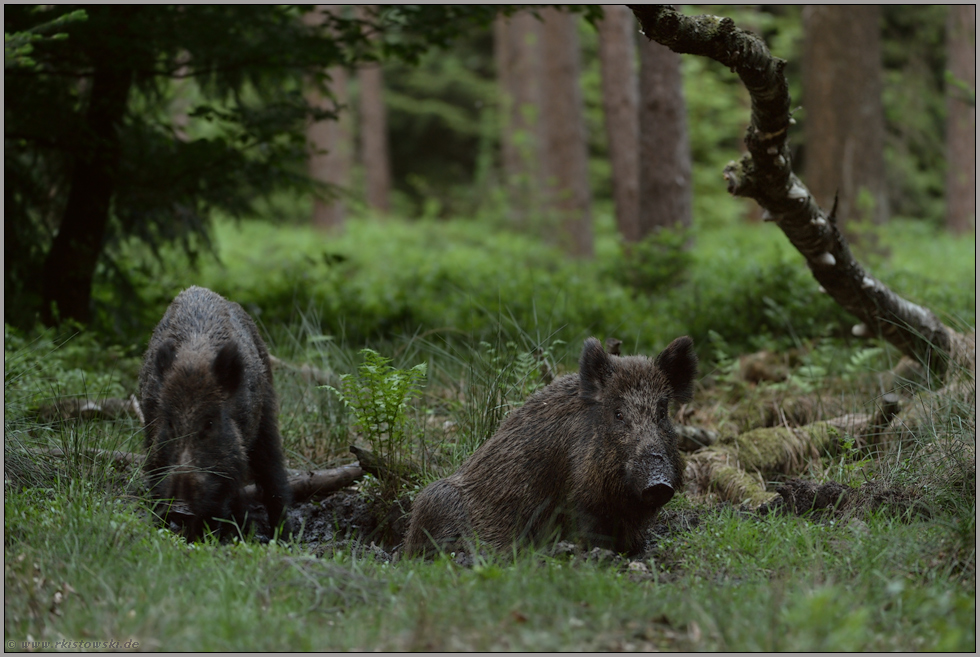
(517, 54)
(620, 106)
(961, 120)
(70, 264)
(329, 141)
(845, 119)
(765, 174)
(564, 146)
(374, 132)
(665, 154)
(308, 484)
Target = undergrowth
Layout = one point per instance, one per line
(84, 561)
(453, 279)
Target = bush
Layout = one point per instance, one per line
(381, 280)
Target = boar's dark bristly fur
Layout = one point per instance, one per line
(210, 415)
(591, 457)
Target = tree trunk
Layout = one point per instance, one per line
(329, 141)
(961, 120)
(665, 155)
(620, 105)
(70, 264)
(844, 130)
(766, 175)
(562, 127)
(517, 54)
(374, 132)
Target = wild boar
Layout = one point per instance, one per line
(591, 457)
(210, 415)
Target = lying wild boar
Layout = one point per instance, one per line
(593, 456)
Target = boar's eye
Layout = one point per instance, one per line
(662, 408)
(619, 416)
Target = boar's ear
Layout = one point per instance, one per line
(166, 353)
(594, 369)
(680, 364)
(228, 367)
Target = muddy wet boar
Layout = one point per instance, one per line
(210, 415)
(592, 457)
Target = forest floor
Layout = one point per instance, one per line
(849, 554)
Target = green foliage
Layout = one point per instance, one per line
(17, 47)
(40, 447)
(379, 396)
(659, 260)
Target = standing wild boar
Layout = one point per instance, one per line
(210, 414)
(593, 456)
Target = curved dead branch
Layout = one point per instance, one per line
(766, 175)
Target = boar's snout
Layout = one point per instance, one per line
(656, 482)
(658, 493)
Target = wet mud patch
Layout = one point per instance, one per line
(347, 519)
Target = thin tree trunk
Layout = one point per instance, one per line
(766, 175)
(330, 140)
(620, 105)
(69, 267)
(665, 154)
(961, 120)
(562, 126)
(845, 120)
(374, 132)
(517, 54)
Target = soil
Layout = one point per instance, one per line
(349, 519)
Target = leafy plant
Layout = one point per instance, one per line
(379, 396)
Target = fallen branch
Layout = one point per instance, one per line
(378, 467)
(110, 408)
(303, 484)
(306, 485)
(765, 174)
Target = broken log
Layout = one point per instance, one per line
(307, 485)
(765, 174)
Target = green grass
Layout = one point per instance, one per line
(80, 566)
